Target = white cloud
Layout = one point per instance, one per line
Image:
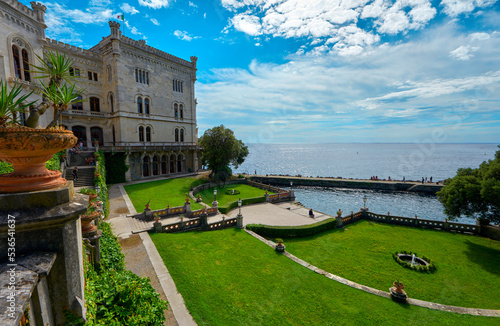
(129, 9)
(479, 36)
(100, 3)
(457, 7)
(185, 36)
(155, 21)
(155, 4)
(463, 53)
(191, 4)
(247, 24)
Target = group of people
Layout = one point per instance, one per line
(90, 161)
(424, 180)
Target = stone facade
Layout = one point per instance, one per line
(137, 99)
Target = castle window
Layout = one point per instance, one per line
(17, 61)
(155, 165)
(176, 110)
(26, 65)
(148, 134)
(77, 105)
(89, 74)
(95, 76)
(182, 135)
(141, 76)
(94, 104)
(109, 73)
(181, 111)
(74, 72)
(176, 135)
(139, 105)
(177, 86)
(141, 133)
(145, 166)
(146, 105)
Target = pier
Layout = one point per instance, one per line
(393, 185)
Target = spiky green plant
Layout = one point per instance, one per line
(11, 103)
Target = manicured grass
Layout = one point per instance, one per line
(162, 193)
(228, 277)
(223, 199)
(468, 267)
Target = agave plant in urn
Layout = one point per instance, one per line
(28, 147)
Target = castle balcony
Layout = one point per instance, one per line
(149, 146)
(85, 113)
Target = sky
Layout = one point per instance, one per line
(321, 71)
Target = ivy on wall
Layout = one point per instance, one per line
(116, 167)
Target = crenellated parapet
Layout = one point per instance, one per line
(115, 29)
(73, 49)
(39, 10)
(33, 14)
(141, 44)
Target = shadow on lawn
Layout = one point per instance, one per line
(487, 258)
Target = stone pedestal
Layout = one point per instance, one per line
(148, 215)
(339, 221)
(239, 221)
(397, 296)
(54, 229)
(280, 248)
(157, 226)
(215, 204)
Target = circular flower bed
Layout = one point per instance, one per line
(232, 192)
(421, 263)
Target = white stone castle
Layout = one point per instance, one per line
(138, 100)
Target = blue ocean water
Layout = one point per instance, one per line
(361, 161)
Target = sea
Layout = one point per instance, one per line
(362, 161)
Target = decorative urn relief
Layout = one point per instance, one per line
(27, 149)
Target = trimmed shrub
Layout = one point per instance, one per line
(293, 231)
(419, 268)
(246, 201)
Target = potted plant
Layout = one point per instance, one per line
(28, 147)
(88, 218)
(399, 286)
(92, 193)
(280, 247)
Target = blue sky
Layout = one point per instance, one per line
(297, 71)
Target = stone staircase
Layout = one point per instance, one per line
(85, 172)
(140, 225)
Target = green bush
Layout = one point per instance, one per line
(116, 168)
(101, 181)
(246, 201)
(419, 268)
(293, 231)
(5, 167)
(116, 296)
(241, 176)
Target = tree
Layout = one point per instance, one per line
(221, 148)
(474, 192)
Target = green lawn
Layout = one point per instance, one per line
(468, 267)
(224, 199)
(228, 277)
(162, 193)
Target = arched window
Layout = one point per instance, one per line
(155, 169)
(139, 104)
(17, 62)
(26, 65)
(114, 136)
(141, 133)
(94, 104)
(111, 102)
(163, 164)
(145, 166)
(179, 163)
(182, 135)
(108, 69)
(148, 133)
(172, 163)
(136, 75)
(96, 135)
(146, 105)
(176, 134)
(176, 110)
(181, 111)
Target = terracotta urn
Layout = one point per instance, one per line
(399, 287)
(87, 222)
(28, 149)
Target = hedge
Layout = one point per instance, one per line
(293, 231)
(245, 201)
(115, 296)
(419, 268)
(100, 180)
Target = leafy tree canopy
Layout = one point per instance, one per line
(474, 192)
(221, 148)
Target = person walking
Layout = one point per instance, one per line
(75, 173)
